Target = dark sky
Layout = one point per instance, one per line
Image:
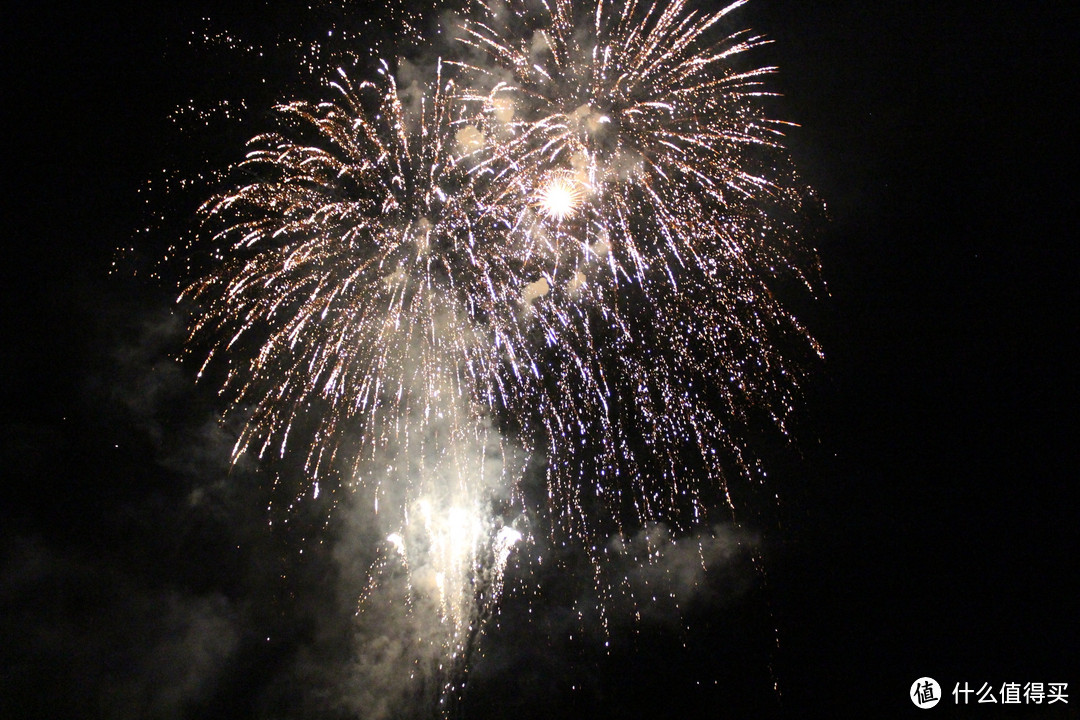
(927, 525)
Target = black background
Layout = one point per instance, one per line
(929, 528)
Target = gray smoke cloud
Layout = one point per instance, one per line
(98, 641)
(665, 573)
(119, 606)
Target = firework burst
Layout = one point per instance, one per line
(352, 268)
(633, 100)
(352, 304)
(570, 239)
(662, 211)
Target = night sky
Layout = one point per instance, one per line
(927, 522)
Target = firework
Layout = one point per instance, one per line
(349, 271)
(565, 243)
(658, 209)
(350, 302)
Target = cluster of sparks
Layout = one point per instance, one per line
(562, 241)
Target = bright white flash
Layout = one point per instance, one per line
(505, 540)
(397, 541)
(559, 198)
(507, 536)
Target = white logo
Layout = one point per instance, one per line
(925, 693)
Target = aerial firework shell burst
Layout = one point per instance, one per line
(357, 263)
(566, 242)
(360, 267)
(665, 209)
